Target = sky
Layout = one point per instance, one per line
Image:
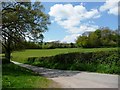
(71, 19)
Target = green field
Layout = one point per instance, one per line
(21, 56)
(14, 76)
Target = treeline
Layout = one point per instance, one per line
(40, 45)
(48, 45)
(103, 37)
(57, 44)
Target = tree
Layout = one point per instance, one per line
(102, 37)
(93, 40)
(82, 41)
(106, 36)
(21, 20)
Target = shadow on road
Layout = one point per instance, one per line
(57, 73)
(50, 73)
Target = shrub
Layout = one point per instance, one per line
(102, 61)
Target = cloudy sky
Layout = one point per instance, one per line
(71, 19)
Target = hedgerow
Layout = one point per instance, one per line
(102, 61)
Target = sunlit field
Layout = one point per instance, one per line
(21, 56)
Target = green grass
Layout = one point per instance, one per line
(17, 77)
(21, 56)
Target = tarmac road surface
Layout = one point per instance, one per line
(75, 79)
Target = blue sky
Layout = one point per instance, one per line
(71, 19)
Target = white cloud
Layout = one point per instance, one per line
(60, 11)
(83, 28)
(111, 6)
(70, 38)
(94, 13)
(113, 11)
(75, 32)
(70, 18)
(69, 12)
(51, 40)
(52, 21)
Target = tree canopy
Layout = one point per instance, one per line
(21, 20)
(103, 37)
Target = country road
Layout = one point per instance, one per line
(75, 79)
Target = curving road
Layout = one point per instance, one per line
(75, 79)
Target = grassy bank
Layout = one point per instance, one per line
(17, 77)
(22, 56)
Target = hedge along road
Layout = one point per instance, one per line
(75, 79)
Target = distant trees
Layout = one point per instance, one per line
(57, 44)
(103, 37)
(20, 20)
(43, 45)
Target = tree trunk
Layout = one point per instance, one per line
(7, 56)
(8, 51)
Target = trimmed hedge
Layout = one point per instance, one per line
(103, 61)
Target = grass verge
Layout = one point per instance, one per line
(14, 76)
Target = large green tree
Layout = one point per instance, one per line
(93, 40)
(103, 37)
(21, 20)
(82, 41)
